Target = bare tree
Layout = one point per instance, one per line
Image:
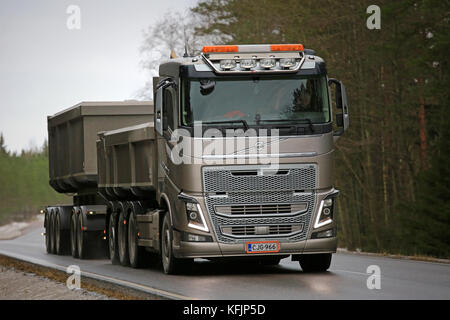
(173, 32)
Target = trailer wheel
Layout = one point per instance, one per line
(315, 262)
(82, 238)
(48, 233)
(73, 235)
(112, 240)
(58, 237)
(171, 265)
(122, 229)
(52, 232)
(135, 252)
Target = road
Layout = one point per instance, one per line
(346, 279)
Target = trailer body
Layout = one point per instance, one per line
(72, 136)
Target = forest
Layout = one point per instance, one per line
(24, 188)
(392, 165)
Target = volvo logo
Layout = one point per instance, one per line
(260, 145)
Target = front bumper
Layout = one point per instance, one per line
(287, 246)
(184, 249)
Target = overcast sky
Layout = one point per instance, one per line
(45, 67)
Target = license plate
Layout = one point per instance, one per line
(262, 246)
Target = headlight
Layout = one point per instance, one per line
(194, 213)
(325, 214)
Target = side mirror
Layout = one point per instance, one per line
(342, 119)
(207, 86)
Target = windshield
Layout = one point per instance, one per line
(255, 101)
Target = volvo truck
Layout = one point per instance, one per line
(232, 159)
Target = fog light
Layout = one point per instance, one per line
(323, 234)
(190, 237)
(328, 202)
(227, 64)
(326, 211)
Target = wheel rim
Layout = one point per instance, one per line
(166, 247)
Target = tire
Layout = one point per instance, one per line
(82, 238)
(135, 252)
(170, 264)
(112, 240)
(122, 231)
(52, 232)
(73, 235)
(58, 235)
(48, 233)
(315, 262)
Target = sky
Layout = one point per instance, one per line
(46, 67)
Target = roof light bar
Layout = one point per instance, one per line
(253, 48)
(208, 49)
(287, 47)
(254, 58)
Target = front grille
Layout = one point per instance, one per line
(274, 209)
(259, 178)
(242, 204)
(266, 231)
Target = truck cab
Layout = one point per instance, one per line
(245, 140)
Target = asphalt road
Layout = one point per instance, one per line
(346, 279)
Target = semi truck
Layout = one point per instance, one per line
(233, 159)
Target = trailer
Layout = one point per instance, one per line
(72, 136)
(194, 174)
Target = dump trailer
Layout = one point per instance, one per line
(233, 159)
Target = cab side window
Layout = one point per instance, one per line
(168, 107)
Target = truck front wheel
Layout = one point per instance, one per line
(171, 265)
(135, 252)
(315, 262)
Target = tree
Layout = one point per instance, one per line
(3, 150)
(174, 32)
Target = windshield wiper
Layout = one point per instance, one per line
(229, 121)
(311, 127)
